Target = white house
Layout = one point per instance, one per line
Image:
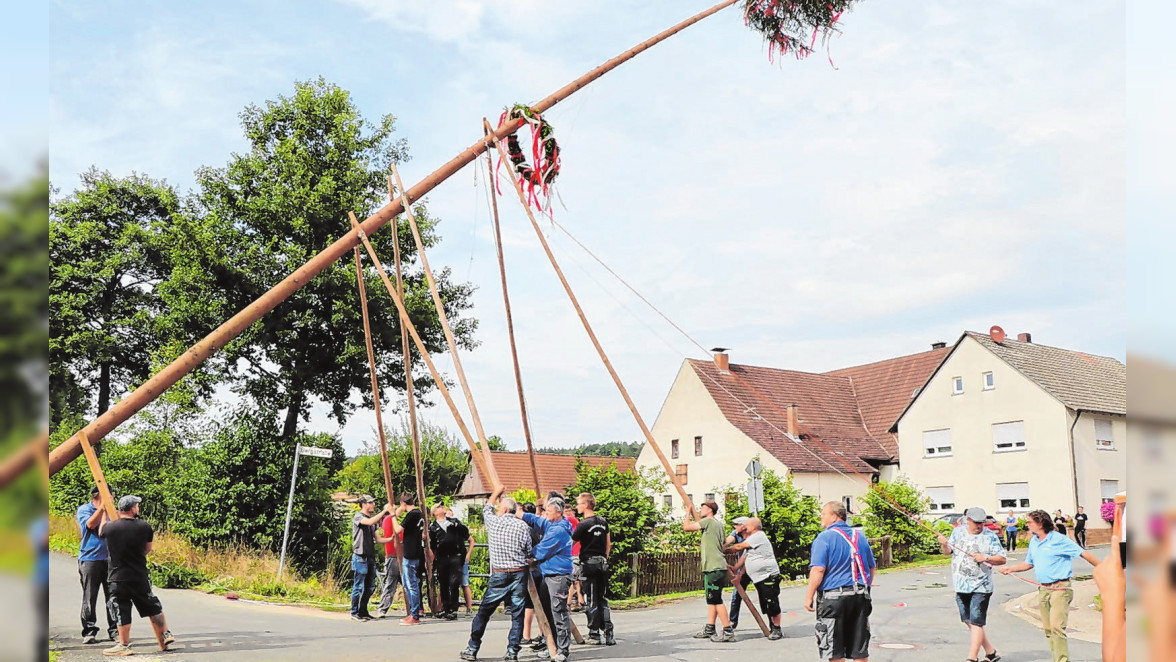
(829, 431)
(1007, 423)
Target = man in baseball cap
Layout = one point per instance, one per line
(129, 541)
(974, 551)
(93, 568)
(738, 533)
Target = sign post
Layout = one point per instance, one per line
(298, 450)
(755, 487)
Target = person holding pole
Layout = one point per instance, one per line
(412, 554)
(448, 538)
(553, 556)
(576, 595)
(974, 551)
(714, 572)
(363, 555)
(129, 540)
(758, 562)
(391, 540)
(93, 568)
(841, 569)
(509, 540)
(595, 542)
(737, 536)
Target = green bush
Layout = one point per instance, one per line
(880, 518)
(174, 575)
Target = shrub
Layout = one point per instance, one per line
(880, 517)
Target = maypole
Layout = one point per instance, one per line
(218, 338)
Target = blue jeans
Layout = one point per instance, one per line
(508, 588)
(410, 573)
(363, 584)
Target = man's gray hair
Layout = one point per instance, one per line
(510, 505)
(558, 502)
(838, 509)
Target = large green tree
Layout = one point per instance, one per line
(445, 464)
(311, 159)
(107, 255)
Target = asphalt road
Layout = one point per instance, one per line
(914, 619)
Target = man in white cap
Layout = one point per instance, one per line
(974, 551)
(759, 563)
(129, 540)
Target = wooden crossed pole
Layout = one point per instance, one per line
(608, 364)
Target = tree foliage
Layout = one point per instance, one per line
(441, 454)
(880, 517)
(791, 520)
(609, 449)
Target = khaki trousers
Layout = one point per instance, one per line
(1055, 615)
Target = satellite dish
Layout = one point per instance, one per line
(997, 334)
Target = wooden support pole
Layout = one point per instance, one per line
(514, 352)
(591, 335)
(198, 353)
(26, 456)
(747, 603)
(367, 336)
(445, 327)
(99, 478)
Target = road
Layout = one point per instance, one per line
(914, 619)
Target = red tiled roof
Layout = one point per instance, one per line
(556, 472)
(844, 415)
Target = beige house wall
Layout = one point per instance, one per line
(1095, 465)
(690, 411)
(974, 468)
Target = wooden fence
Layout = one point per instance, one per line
(676, 572)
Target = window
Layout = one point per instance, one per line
(1008, 436)
(1108, 489)
(709, 496)
(674, 449)
(697, 446)
(1013, 495)
(942, 498)
(848, 503)
(957, 385)
(668, 500)
(680, 473)
(937, 443)
(989, 381)
(1104, 435)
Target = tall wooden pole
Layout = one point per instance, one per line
(514, 352)
(592, 336)
(198, 353)
(445, 327)
(414, 430)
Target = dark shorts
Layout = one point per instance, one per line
(973, 607)
(139, 594)
(713, 582)
(768, 591)
(843, 624)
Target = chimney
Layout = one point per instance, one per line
(793, 425)
(938, 345)
(721, 361)
(1024, 337)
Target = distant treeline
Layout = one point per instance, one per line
(609, 449)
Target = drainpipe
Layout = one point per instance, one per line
(1073, 459)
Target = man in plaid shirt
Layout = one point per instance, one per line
(509, 540)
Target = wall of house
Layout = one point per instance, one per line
(1094, 465)
(687, 412)
(974, 467)
(831, 486)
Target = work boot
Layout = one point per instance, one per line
(774, 633)
(706, 633)
(608, 639)
(726, 636)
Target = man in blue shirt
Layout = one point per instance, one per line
(92, 569)
(1051, 557)
(841, 570)
(554, 556)
(736, 537)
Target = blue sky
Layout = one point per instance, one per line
(957, 165)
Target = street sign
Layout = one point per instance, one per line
(315, 452)
(755, 495)
(753, 468)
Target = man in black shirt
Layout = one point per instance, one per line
(129, 540)
(595, 546)
(1080, 527)
(412, 556)
(448, 538)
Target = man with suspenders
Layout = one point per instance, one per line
(840, 572)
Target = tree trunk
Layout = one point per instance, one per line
(294, 408)
(103, 387)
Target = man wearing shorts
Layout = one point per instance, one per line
(841, 568)
(974, 550)
(129, 540)
(759, 563)
(714, 572)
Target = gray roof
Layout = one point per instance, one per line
(1077, 380)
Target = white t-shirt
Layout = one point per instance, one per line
(761, 560)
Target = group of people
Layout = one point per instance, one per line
(534, 551)
(112, 559)
(1060, 522)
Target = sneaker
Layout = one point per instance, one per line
(992, 657)
(706, 632)
(526, 642)
(168, 639)
(468, 655)
(539, 644)
(450, 616)
(510, 657)
(775, 634)
(409, 620)
(359, 619)
(89, 639)
(543, 655)
(723, 637)
(608, 639)
(381, 613)
(734, 624)
(560, 657)
(118, 650)
(594, 639)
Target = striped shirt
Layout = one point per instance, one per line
(509, 539)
